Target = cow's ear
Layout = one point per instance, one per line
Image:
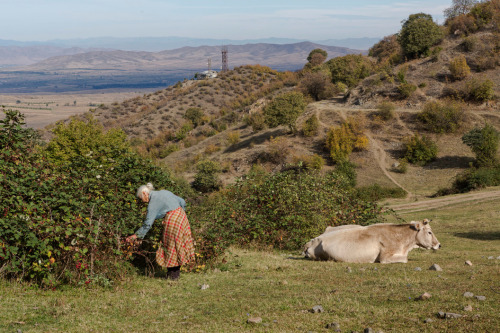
(426, 221)
(415, 225)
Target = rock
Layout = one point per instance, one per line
(468, 294)
(498, 258)
(317, 309)
(254, 320)
(395, 165)
(204, 286)
(368, 330)
(491, 258)
(449, 315)
(418, 269)
(284, 282)
(481, 298)
(428, 320)
(424, 296)
(435, 267)
(468, 263)
(334, 326)
(349, 270)
(468, 308)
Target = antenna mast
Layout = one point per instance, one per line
(224, 59)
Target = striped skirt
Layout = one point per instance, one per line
(177, 243)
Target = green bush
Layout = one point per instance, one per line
(283, 210)
(484, 143)
(418, 34)
(473, 179)
(350, 69)
(195, 115)
(459, 68)
(442, 117)
(342, 141)
(255, 120)
(311, 126)
(66, 223)
(284, 110)
(376, 192)
(206, 178)
(406, 89)
(420, 150)
(479, 90)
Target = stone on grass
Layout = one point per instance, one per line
(428, 320)
(349, 270)
(418, 269)
(317, 309)
(368, 330)
(334, 326)
(204, 286)
(449, 315)
(481, 298)
(468, 294)
(491, 258)
(468, 308)
(424, 296)
(435, 267)
(254, 320)
(468, 263)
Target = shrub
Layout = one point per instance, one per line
(341, 141)
(182, 133)
(420, 150)
(317, 57)
(206, 178)
(484, 143)
(283, 210)
(233, 137)
(376, 192)
(469, 44)
(284, 110)
(442, 117)
(256, 120)
(418, 34)
(318, 85)
(402, 166)
(406, 89)
(473, 179)
(277, 151)
(65, 223)
(387, 50)
(195, 115)
(479, 90)
(459, 68)
(386, 110)
(309, 162)
(350, 69)
(311, 126)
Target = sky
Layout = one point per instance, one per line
(42, 20)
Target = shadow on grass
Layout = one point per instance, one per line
(477, 235)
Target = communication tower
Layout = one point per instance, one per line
(225, 68)
(209, 64)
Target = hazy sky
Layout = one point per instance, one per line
(40, 20)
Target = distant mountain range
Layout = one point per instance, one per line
(79, 70)
(18, 53)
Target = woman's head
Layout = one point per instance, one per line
(144, 190)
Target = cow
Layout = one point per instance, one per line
(384, 242)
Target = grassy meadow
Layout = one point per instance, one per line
(282, 288)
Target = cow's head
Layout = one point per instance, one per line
(425, 237)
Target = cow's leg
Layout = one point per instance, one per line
(393, 258)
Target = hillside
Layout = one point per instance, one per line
(158, 127)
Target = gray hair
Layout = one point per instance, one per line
(144, 188)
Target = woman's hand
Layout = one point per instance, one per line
(131, 239)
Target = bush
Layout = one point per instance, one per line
(386, 110)
(341, 141)
(406, 89)
(459, 68)
(311, 126)
(420, 150)
(256, 120)
(66, 223)
(376, 192)
(277, 151)
(195, 115)
(418, 34)
(387, 50)
(484, 143)
(284, 110)
(206, 178)
(473, 179)
(283, 210)
(317, 57)
(233, 137)
(318, 85)
(479, 90)
(350, 69)
(469, 44)
(442, 117)
(309, 162)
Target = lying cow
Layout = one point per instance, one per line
(384, 243)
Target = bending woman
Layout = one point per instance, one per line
(177, 243)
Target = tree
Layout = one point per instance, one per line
(318, 85)
(418, 34)
(195, 115)
(459, 7)
(317, 57)
(285, 109)
(484, 143)
(388, 49)
(207, 180)
(350, 69)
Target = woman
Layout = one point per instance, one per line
(177, 243)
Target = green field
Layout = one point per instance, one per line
(282, 288)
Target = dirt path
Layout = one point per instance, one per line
(445, 201)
